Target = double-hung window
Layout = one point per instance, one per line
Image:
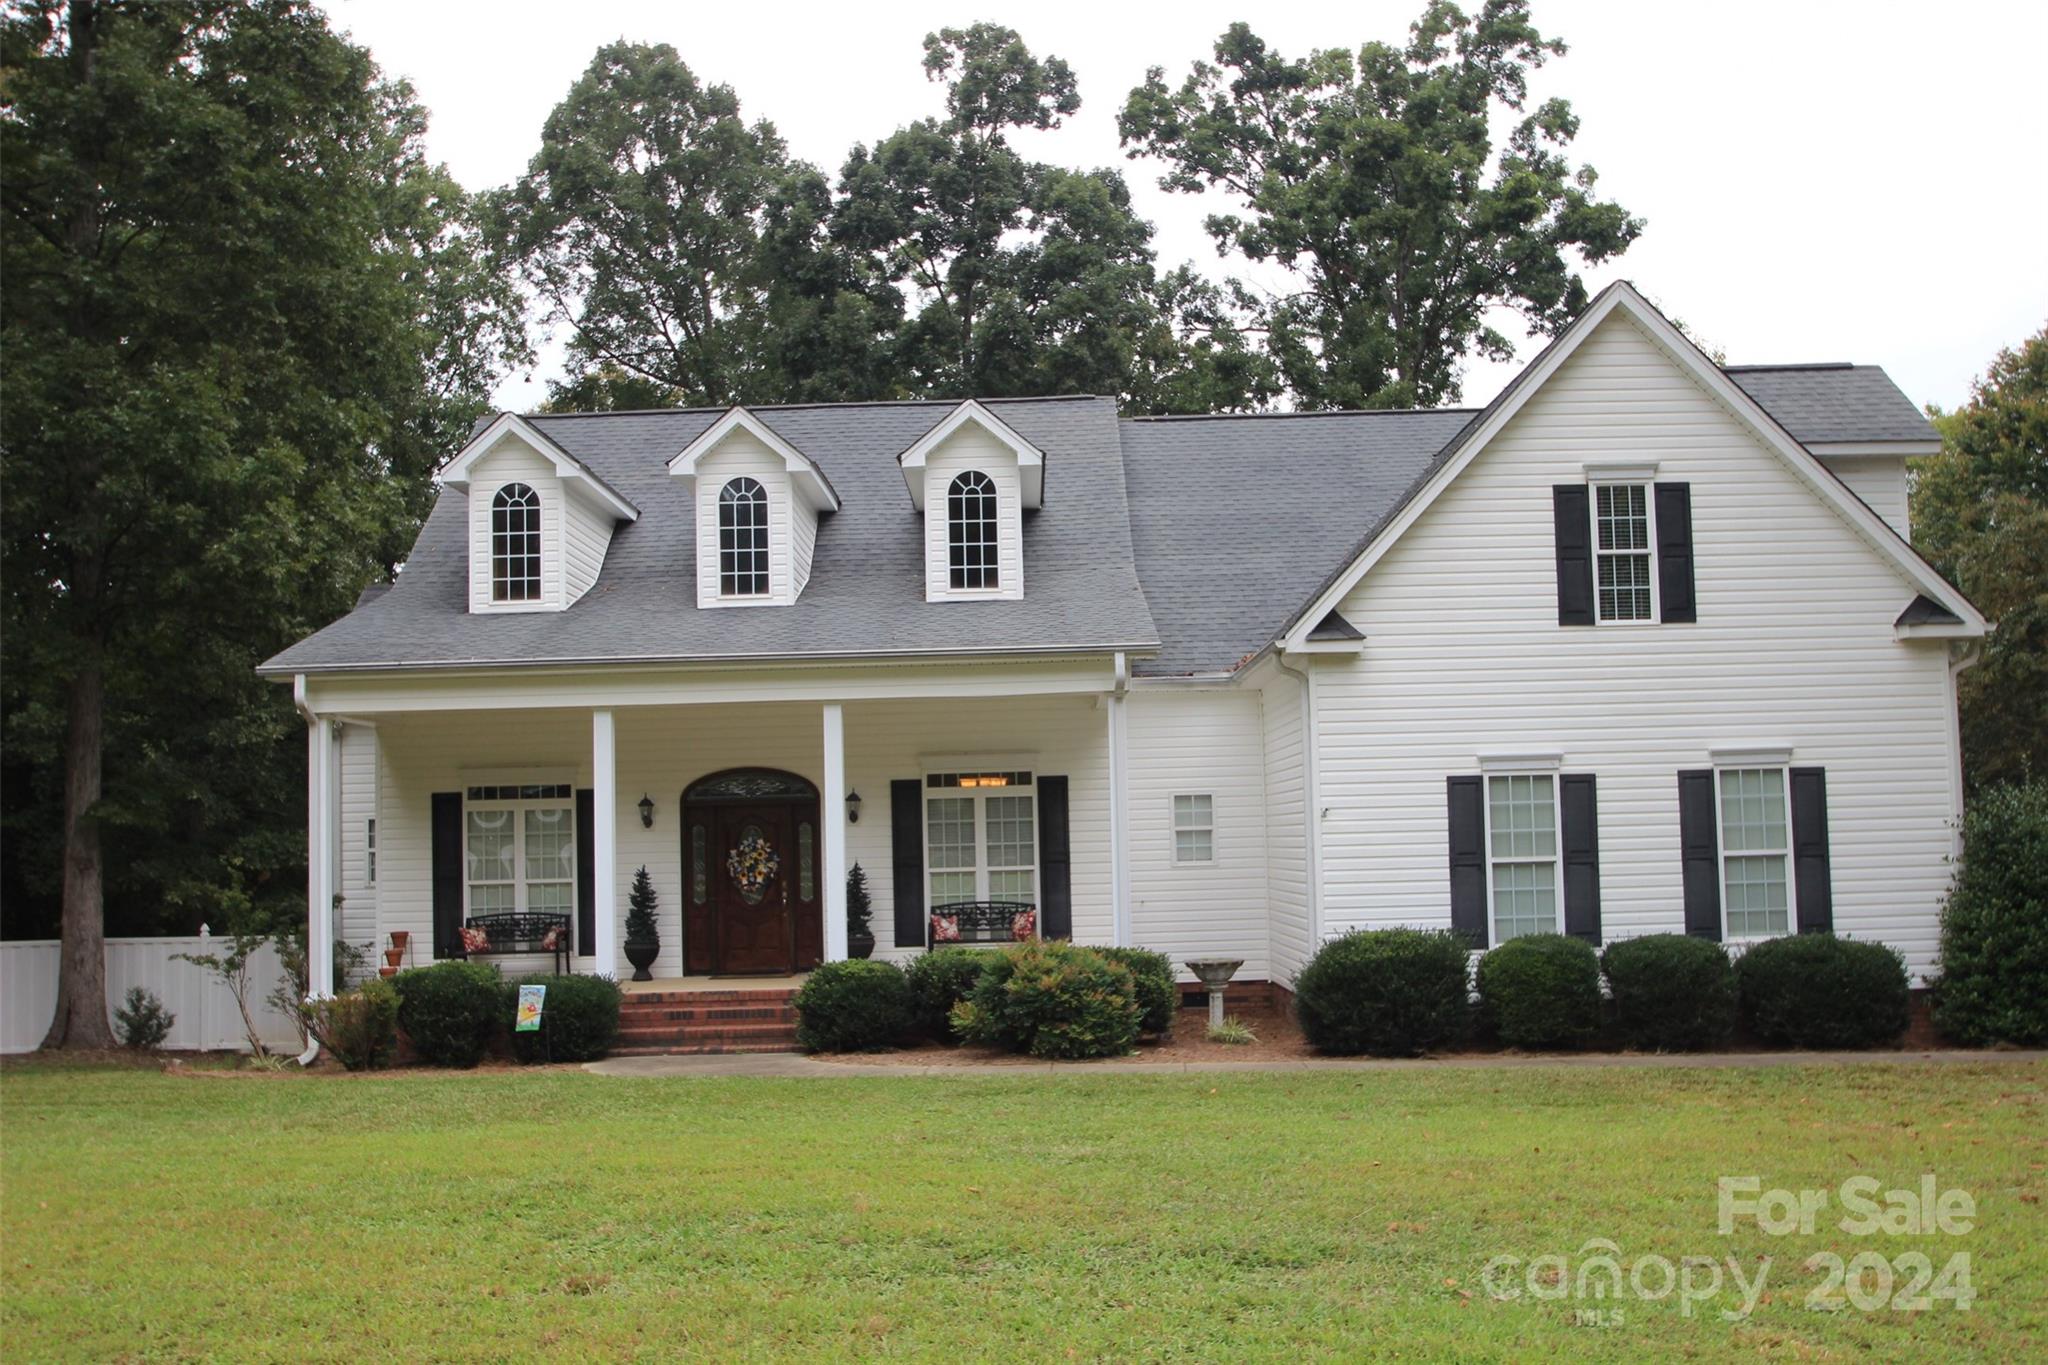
(981, 837)
(1756, 849)
(520, 847)
(1624, 560)
(1194, 829)
(1524, 874)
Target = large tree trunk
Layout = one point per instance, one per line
(81, 1019)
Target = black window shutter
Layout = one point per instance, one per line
(906, 843)
(1699, 851)
(1574, 523)
(1810, 870)
(1468, 858)
(447, 827)
(1580, 821)
(586, 872)
(1055, 861)
(1674, 552)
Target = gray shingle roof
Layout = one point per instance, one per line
(1819, 404)
(1237, 520)
(866, 591)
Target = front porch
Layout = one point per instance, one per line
(743, 812)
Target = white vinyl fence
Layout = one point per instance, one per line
(207, 1017)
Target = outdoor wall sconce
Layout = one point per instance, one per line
(852, 807)
(646, 812)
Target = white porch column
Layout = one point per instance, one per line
(604, 829)
(832, 818)
(1119, 812)
(322, 814)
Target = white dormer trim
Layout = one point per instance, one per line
(1030, 459)
(805, 476)
(576, 476)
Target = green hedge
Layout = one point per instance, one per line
(855, 1006)
(1671, 993)
(360, 1027)
(1053, 999)
(1993, 986)
(1158, 992)
(939, 980)
(1541, 991)
(451, 1011)
(1819, 991)
(580, 1015)
(1390, 992)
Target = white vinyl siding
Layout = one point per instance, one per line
(356, 921)
(1285, 796)
(973, 450)
(1794, 647)
(1756, 851)
(586, 539)
(1880, 480)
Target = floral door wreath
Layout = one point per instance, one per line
(752, 865)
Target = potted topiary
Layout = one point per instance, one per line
(643, 939)
(860, 909)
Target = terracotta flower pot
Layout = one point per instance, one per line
(400, 938)
(387, 972)
(394, 956)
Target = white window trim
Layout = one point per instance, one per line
(979, 795)
(1649, 488)
(1493, 938)
(1174, 829)
(520, 903)
(1784, 771)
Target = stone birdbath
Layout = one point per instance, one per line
(1215, 973)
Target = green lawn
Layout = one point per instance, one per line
(1216, 1217)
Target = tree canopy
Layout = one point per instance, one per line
(244, 318)
(1374, 178)
(1980, 514)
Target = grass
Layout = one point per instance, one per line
(1204, 1217)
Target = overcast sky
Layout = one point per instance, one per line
(1823, 181)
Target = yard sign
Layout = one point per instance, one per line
(531, 1000)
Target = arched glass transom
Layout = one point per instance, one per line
(515, 544)
(743, 540)
(971, 530)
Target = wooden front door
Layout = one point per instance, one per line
(753, 869)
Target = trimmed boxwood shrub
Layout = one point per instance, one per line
(1541, 991)
(1819, 991)
(854, 1006)
(939, 980)
(1993, 986)
(580, 1016)
(1672, 993)
(1053, 999)
(1158, 993)
(451, 1011)
(1390, 992)
(360, 1027)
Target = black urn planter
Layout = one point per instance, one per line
(859, 945)
(642, 956)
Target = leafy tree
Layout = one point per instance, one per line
(243, 317)
(1373, 176)
(678, 242)
(1980, 513)
(1026, 278)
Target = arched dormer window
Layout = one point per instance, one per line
(743, 540)
(971, 530)
(515, 544)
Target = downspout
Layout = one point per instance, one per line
(1311, 796)
(1119, 807)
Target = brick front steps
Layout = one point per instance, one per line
(658, 1023)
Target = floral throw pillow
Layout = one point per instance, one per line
(552, 941)
(945, 928)
(475, 939)
(1023, 925)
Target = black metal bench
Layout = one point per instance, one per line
(980, 922)
(531, 931)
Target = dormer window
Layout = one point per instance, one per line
(971, 531)
(743, 539)
(515, 544)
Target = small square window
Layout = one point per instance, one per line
(1194, 829)
(370, 851)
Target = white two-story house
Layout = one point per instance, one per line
(1639, 647)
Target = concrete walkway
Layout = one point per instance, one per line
(792, 1064)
